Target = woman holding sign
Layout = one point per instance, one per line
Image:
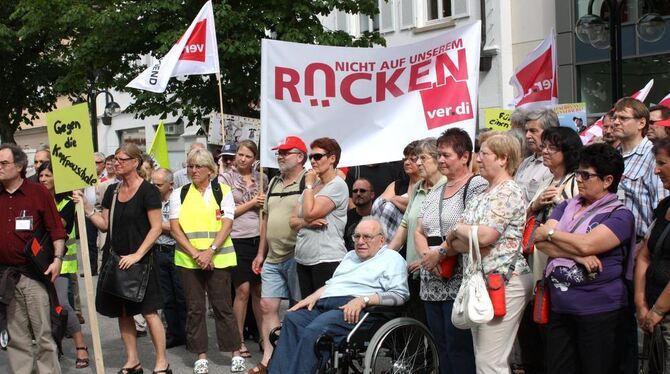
(135, 226)
(65, 208)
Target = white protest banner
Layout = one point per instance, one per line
(535, 78)
(196, 52)
(373, 101)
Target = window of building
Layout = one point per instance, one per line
(406, 14)
(595, 83)
(437, 11)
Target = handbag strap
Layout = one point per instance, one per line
(111, 216)
(441, 204)
(661, 238)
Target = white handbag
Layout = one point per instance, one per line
(472, 305)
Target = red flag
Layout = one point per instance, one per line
(666, 101)
(195, 53)
(535, 79)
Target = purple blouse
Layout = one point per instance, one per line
(574, 292)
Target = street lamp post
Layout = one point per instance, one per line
(111, 108)
(593, 30)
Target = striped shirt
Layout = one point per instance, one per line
(640, 189)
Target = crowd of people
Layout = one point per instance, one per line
(585, 224)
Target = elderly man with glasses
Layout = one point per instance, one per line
(373, 274)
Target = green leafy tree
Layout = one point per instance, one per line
(67, 47)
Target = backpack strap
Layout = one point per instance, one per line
(184, 192)
(216, 190)
(273, 182)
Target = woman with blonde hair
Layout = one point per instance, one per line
(136, 224)
(499, 214)
(201, 220)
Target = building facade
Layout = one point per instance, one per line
(584, 70)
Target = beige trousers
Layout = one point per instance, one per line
(493, 341)
(29, 311)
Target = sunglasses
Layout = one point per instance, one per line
(317, 156)
(286, 153)
(585, 175)
(359, 190)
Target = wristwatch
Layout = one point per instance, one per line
(61, 258)
(366, 300)
(308, 186)
(550, 233)
(213, 248)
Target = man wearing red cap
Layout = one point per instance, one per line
(277, 240)
(659, 120)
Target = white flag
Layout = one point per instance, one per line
(196, 52)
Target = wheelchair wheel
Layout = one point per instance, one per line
(402, 345)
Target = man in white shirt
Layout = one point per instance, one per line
(532, 173)
(373, 274)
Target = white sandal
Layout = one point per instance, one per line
(237, 364)
(201, 366)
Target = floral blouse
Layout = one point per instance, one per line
(503, 208)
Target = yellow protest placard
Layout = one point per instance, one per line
(72, 160)
(498, 119)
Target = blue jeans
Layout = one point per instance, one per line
(453, 344)
(300, 330)
(173, 295)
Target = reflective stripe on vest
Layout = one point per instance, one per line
(197, 219)
(69, 265)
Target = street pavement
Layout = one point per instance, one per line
(181, 361)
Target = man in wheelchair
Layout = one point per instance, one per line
(371, 275)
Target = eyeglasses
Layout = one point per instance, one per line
(425, 158)
(286, 153)
(622, 118)
(122, 159)
(5, 163)
(317, 156)
(195, 166)
(359, 190)
(585, 175)
(411, 158)
(549, 148)
(99, 162)
(366, 238)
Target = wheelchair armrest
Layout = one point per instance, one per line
(385, 309)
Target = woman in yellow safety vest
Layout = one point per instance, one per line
(65, 208)
(201, 220)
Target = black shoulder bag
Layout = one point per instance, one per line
(131, 283)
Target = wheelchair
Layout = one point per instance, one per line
(394, 344)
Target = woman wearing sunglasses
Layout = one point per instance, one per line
(320, 217)
(589, 240)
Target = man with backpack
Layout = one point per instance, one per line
(277, 240)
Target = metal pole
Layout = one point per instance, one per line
(616, 59)
(92, 108)
(619, 49)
